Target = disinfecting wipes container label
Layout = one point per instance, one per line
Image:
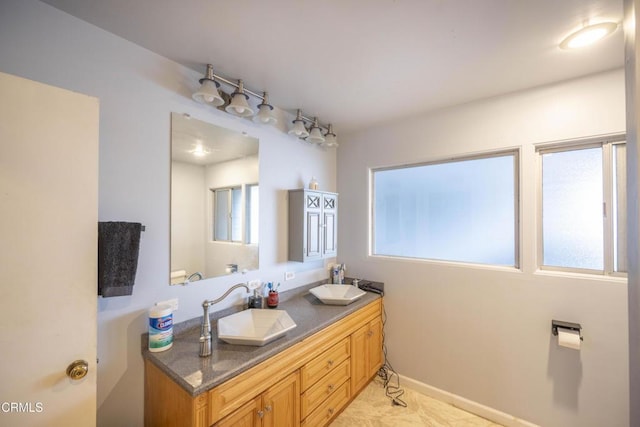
(160, 328)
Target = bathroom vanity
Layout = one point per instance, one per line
(302, 379)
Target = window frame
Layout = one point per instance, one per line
(606, 142)
(517, 187)
(248, 209)
(229, 215)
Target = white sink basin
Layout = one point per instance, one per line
(255, 327)
(337, 294)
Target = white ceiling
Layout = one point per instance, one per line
(222, 145)
(359, 62)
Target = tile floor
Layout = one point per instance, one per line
(373, 409)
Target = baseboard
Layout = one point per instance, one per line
(465, 404)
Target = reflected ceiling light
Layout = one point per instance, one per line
(265, 112)
(588, 35)
(330, 139)
(315, 135)
(208, 91)
(200, 151)
(239, 105)
(298, 128)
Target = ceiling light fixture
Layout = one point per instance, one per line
(239, 105)
(588, 35)
(315, 135)
(208, 93)
(330, 139)
(265, 112)
(298, 128)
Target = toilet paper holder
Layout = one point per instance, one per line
(555, 324)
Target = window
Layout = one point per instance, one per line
(253, 219)
(583, 207)
(227, 208)
(461, 210)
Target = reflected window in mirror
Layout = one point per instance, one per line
(253, 228)
(227, 209)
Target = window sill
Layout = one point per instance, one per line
(583, 276)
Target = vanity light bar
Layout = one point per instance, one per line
(238, 86)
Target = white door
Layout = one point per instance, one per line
(48, 251)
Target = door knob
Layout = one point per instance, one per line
(77, 369)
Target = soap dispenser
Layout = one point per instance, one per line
(256, 300)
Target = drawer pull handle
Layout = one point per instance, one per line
(330, 410)
(330, 362)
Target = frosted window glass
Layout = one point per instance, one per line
(253, 201)
(572, 206)
(236, 214)
(619, 212)
(456, 211)
(221, 218)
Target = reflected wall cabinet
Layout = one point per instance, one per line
(313, 225)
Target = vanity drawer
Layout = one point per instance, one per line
(324, 388)
(324, 363)
(329, 408)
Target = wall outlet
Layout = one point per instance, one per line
(289, 275)
(173, 303)
(254, 284)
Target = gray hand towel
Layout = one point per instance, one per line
(118, 247)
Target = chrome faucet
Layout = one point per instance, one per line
(205, 329)
(195, 275)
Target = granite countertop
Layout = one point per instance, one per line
(198, 374)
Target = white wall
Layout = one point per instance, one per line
(188, 231)
(138, 90)
(484, 333)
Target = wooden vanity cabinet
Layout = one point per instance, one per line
(323, 376)
(276, 407)
(306, 384)
(366, 354)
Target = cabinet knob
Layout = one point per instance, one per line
(330, 388)
(329, 362)
(260, 414)
(370, 333)
(331, 411)
(268, 408)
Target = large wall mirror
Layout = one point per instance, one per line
(214, 201)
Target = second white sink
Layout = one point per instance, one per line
(337, 294)
(255, 327)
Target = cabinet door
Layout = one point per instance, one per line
(330, 225)
(247, 415)
(313, 237)
(374, 338)
(359, 359)
(281, 403)
(330, 234)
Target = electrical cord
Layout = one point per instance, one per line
(387, 373)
